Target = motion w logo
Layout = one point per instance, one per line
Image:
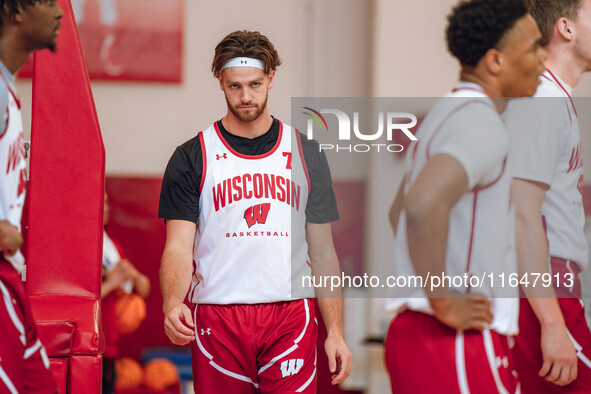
(291, 367)
(257, 214)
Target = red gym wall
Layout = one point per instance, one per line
(135, 225)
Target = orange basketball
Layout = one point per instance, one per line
(128, 374)
(160, 373)
(131, 312)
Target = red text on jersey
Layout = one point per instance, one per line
(288, 155)
(249, 186)
(576, 159)
(16, 153)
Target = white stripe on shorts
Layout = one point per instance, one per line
(210, 357)
(296, 341)
(311, 378)
(7, 382)
(32, 349)
(489, 347)
(461, 363)
(12, 313)
(584, 359)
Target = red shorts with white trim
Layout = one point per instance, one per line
(261, 348)
(425, 356)
(528, 352)
(24, 366)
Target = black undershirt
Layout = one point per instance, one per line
(179, 196)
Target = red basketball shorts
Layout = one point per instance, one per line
(261, 348)
(425, 356)
(24, 366)
(528, 351)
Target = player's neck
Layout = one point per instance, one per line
(252, 129)
(564, 65)
(489, 88)
(12, 52)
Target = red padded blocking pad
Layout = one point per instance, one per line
(83, 370)
(84, 312)
(66, 173)
(59, 369)
(57, 337)
(64, 245)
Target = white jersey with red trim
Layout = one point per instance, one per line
(546, 148)
(13, 169)
(250, 246)
(480, 243)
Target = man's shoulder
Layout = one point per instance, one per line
(308, 144)
(192, 144)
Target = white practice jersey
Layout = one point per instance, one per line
(13, 168)
(111, 258)
(546, 148)
(250, 245)
(466, 125)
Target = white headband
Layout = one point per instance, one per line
(244, 62)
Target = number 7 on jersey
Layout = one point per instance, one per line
(288, 155)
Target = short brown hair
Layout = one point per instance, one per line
(244, 43)
(547, 12)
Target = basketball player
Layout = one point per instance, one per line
(26, 26)
(456, 217)
(248, 205)
(553, 348)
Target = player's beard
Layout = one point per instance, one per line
(249, 116)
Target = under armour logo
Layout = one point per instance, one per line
(206, 331)
(291, 367)
(222, 156)
(243, 62)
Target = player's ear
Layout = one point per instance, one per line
(6, 13)
(493, 61)
(221, 81)
(271, 76)
(564, 28)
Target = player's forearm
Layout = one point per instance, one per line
(326, 265)
(175, 277)
(532, 257)
(142, 285)
(331, 310)
(330, 302)
(427, 227)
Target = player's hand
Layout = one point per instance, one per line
(10, 239)
(559, 356)
(118, 275)
(178, 325)
(469, 312)
(128, 269)
(339, 358)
